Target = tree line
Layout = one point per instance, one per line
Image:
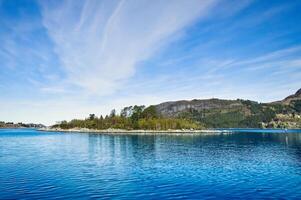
(131, 118)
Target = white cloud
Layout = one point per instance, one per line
(100, 43)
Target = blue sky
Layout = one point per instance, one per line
(66, 59)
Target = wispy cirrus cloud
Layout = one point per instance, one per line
(100, 43)
(70, 58)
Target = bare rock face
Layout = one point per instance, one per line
(296, 96)
(174, 108)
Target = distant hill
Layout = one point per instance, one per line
(20, 125)
(220, 113)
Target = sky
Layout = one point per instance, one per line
(61, 60)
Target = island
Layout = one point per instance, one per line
(193, 116)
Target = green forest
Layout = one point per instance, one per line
(131, 118)
(250, 114)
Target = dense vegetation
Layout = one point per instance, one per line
(133, 117)
(249, 115)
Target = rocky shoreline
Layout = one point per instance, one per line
(135, 132)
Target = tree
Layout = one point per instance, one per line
(137, 112)
(150, 112)
(91, 116)
(113, 113)
(126, 111)
(136, 115)
(297, 105)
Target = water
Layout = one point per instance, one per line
(242, 165)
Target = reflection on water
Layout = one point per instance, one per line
(244, 165)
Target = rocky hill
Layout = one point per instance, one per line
(293, 97)
(219, 113)
(175, 108)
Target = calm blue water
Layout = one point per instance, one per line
(242, 165)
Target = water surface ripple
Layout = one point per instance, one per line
(241, 165)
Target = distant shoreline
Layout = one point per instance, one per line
(135, 132)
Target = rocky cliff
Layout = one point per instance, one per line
(174, 108)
